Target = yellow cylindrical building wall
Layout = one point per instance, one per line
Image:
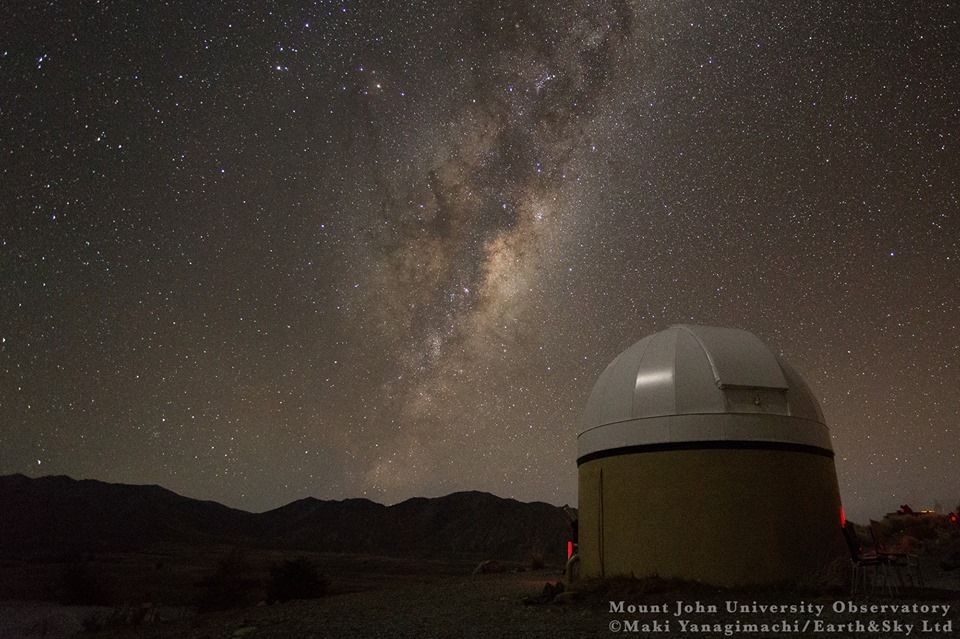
(723, 517)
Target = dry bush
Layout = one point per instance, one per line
(232, 585)
(84, 584)
(295, 579)
(535, 558)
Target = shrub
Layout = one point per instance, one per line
(232, 585)
(536, 560)
(536, 555)
(82, 585)
(295, 579)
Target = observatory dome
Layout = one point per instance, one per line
(702, 386)
(704, 456)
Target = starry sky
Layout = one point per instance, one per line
(254, 251)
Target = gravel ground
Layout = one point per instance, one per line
(472, 606)
(491, 606)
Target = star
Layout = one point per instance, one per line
(246, 244)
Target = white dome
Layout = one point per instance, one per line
(700, 386)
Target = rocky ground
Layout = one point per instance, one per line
(467, 606)
(492, 605)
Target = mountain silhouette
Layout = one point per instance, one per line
(57, 515)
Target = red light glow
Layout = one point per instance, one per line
(843, 517)
(569, 549)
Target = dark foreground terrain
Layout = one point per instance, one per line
(403, 604)
(88, 559)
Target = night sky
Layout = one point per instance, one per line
(258, 251)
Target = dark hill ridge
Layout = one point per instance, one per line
(60, 514)
(57, 515)
(351, 525)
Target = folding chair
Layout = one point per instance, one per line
(864, 562)
(896, 558)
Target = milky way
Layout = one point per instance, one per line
(336, 249)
